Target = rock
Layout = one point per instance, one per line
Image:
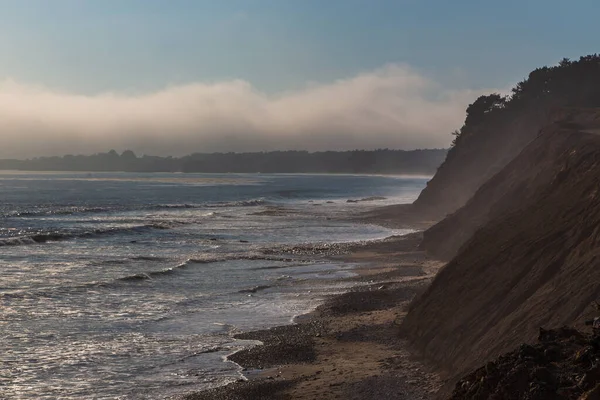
(564, 364)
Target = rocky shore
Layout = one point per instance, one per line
(349, 347)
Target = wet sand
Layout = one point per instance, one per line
(349, 347)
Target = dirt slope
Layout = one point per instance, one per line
(469, 165)
(514, 186)
(496, 129)
(533, 264)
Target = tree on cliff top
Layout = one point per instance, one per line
(568, 84)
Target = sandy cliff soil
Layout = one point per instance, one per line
(497, 128)
(516, 186)
(532, 260)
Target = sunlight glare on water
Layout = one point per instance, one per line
(131, 285)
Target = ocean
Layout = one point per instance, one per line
(130, 286)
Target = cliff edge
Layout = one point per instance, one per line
(497, 128)
(527, 256)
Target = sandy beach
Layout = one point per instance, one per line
(350, 346)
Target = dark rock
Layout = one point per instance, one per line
(564, 364)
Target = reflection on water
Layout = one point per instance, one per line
(121, 285)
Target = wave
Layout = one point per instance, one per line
(40, 238)
(214, 258)
(209, 259)
(255, 289)
(61, 291)
(365, 199)
(59, 211)
(223, 204)
(148, 258)
(177, 206)
(125, 261)
(240, 203)
(17, 241)
(49, 292)
(152, 274)
(72, 210)
(298, 263)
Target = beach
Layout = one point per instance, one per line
(350, 347)
(136, 286)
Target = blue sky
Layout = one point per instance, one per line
(176, 76)
(277, 45)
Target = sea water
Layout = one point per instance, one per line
(126, 286)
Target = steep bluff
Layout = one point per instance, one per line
(514, 186)
(497, 128)
(532, 260)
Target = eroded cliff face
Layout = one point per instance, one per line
(472, 163)
(497, 129)
(527, 252)
(515, 185)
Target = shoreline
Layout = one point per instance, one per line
(350, 345)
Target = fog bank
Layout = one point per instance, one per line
(391, 107)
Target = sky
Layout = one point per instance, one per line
(177, 76)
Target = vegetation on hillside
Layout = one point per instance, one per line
(498, 127)
(568, 84)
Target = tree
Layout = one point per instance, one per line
(483, 105)
(128, 155)
(456, 135)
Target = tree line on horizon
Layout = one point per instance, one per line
(383, 161)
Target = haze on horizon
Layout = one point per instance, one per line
(172, 78)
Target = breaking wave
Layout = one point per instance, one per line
(209, 259)
(58, 211)
(45, 237)
(67, 210)
(241, 203)
(152, 274)
(223, 204)
(255, 289)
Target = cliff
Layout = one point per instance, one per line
(497, 128)
(513, 186)
(527, 247)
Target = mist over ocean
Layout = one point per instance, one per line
(119, 285)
